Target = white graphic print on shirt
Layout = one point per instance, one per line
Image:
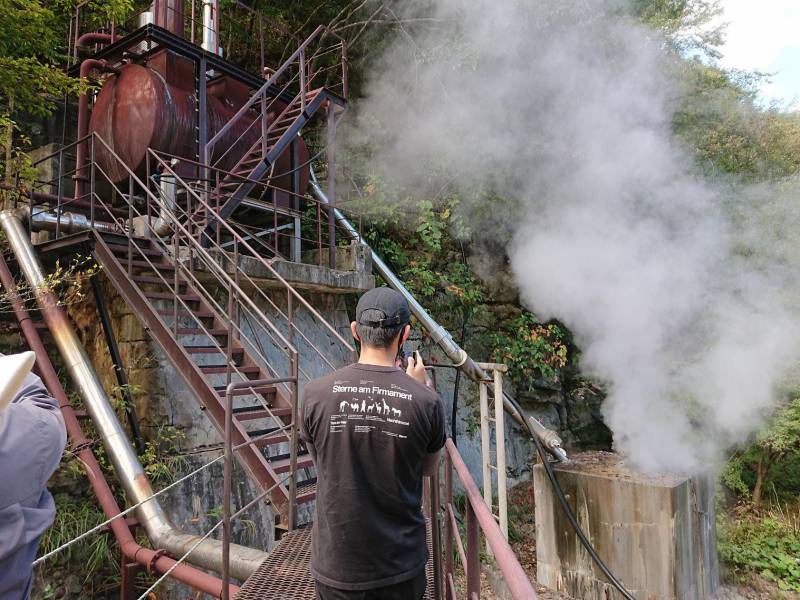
(371, 411)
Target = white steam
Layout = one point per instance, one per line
(676, 294)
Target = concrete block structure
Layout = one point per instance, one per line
(656, 533)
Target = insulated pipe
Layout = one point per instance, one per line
(65, 222)
(209, 31)
(82, 448)
(442, 337)
(208, 554)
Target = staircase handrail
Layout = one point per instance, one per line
(209, 259)
(262, 91)
(262, 261)
(479, 518)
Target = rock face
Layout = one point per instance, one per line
(656, 533)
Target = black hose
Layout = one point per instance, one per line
(116, 360)
(465, 318)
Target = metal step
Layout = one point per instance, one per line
(212, 369)
(281, 463)
(170, 296)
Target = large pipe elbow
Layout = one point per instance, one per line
(94, 37)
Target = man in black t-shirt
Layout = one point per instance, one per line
(373, 431)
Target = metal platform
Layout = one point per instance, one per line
(285, 574)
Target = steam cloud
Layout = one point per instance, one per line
(677, 289)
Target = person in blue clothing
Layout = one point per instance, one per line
(32, 439)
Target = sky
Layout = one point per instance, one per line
(764, 35)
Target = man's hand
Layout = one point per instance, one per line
(416, 369)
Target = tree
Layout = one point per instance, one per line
(33, 58)
(777, 443)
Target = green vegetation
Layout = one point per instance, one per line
(760, 532)
(528, 345)
(767, 544)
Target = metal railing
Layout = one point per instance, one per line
(291, 223)
(497, 419)
(297, 77)
(479, 520)
(230, 263)
(210, 269)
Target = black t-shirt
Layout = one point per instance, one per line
(368, 429)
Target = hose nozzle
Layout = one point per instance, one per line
(549, 438)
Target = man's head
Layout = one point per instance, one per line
(382, 319)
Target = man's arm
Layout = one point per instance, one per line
(32, 438)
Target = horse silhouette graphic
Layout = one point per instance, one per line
(354, 406)
(385, 407)
(342, 406)
(396, 413)
(370, 408)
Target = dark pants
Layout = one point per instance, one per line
(413, 589)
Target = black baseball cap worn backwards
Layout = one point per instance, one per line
(386, 300)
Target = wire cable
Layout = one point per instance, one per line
(96, 528)
(246, 507)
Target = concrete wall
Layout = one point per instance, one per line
(656, 533)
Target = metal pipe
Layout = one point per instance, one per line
(66, 222)
(441, 336)
(95, 37)
(209, 32)
(82, 448)
(162, 225)
(151, 516)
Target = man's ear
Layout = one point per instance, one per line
(354, 331)
(405, 334)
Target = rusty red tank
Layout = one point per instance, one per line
(154, 106)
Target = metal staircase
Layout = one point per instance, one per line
(204, 348)
(215, 323)
(306, 77)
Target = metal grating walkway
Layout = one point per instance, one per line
(285, 574)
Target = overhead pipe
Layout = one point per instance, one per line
(162, 533)
(94, 37)
(82, 448)
(455, 353)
